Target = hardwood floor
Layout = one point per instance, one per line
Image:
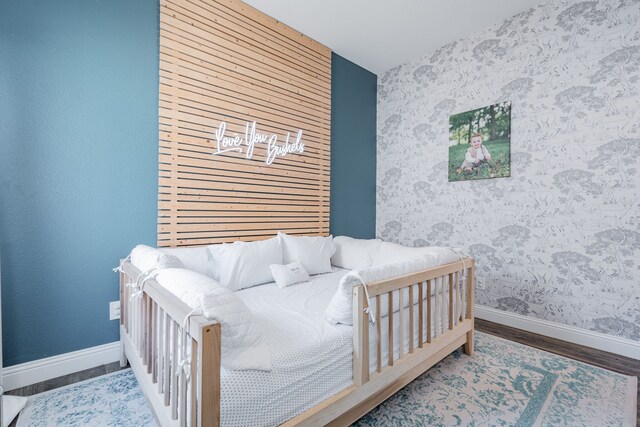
(610, 361)
(613, 362)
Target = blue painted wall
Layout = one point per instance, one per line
(78, 163)
(353, 149)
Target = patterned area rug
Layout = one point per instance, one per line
(503, 384)
(510, 384)
(109, 400)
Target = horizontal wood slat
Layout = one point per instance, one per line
(224, 61)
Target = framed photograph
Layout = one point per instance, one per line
(480, 143)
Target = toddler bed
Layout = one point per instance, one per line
(323, 373)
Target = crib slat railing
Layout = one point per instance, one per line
(378, 333)
(443, 311)
(429, 311)
(360, 337)
(411, 328)
(401, 325)
(186, 388)
(166, 376)
(420, 316)
(451, 301)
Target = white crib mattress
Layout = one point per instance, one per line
(312, 359)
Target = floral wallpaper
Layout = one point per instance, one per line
(560, 239)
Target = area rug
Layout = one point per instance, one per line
(510, 384)
(110, 400)
(503, 384)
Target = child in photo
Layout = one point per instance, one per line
(476, 154)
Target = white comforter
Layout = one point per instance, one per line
(312, 359)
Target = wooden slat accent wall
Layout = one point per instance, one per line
(222, 60)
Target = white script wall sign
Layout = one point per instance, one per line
(245, 144)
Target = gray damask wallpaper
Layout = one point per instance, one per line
(560, 239)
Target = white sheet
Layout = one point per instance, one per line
(312, 359)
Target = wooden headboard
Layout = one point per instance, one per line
(223, 66)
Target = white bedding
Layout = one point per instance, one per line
(312, 359)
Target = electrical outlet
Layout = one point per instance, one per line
(480, 283)
(114, 310)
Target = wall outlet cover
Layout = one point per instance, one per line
(114, 310)
(480, 284)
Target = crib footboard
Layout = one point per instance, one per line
(177, 363)
(431, 316)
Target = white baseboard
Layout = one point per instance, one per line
(597, 340)
(51, 367)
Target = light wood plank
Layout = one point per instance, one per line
(401, 326)
(411, 327)
(223, 61)
(360, 337)
(429, 311)
(420, 316)
(390, 296)
(378, 335)
(451, 296)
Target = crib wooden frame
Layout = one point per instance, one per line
(149, 321)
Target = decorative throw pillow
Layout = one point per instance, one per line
(314, 253)
(354, 254)
(196, 259)
(289, 274)
(242, 265)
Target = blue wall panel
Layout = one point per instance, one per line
(79, 163)
(353, 149)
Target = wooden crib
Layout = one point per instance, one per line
(151, 323)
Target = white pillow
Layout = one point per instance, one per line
(215, 253)
(147, 258)
(196, 259)
(243, 344)
(245, 264)
(354, 254)
(289, 274)
(313, 252)
(391, 253)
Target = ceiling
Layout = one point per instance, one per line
(380, 34)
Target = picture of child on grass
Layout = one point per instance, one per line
(480, 143)
(476, 154)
